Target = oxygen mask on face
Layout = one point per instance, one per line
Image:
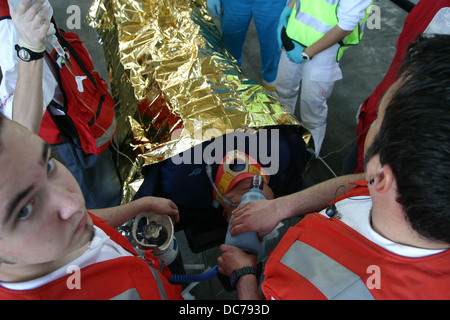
(249, 241)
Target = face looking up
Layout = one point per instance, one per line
(43, 219)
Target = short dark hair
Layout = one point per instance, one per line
(414, 137)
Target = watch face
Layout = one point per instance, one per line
(24, 55)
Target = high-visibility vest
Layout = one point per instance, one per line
(89, 121)
(310, 20)
(323, 258)
(124, 278)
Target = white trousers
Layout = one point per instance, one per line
(317, 78)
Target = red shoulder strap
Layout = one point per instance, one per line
(4, 10)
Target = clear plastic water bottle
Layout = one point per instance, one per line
(248, 241)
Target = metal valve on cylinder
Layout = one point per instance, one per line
(152, 234)
(155, 232)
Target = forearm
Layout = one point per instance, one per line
(247, 288)
(233, 258)
(329, 39)
(317, 197)
(118, 215)
(28, 96)
(31, 24)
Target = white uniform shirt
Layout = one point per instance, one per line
(101, 248)
(355, 213)
(350, 13)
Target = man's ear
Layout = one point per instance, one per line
(381, 176)
(384, 179)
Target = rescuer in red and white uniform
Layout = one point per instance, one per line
(46, 233)
(51, 247)
(386, 238)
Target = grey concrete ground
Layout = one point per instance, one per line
(363, 67)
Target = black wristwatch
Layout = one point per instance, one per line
(236, 274)
(27, 55)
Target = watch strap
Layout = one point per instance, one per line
(32, 54)
(40, 48)
(236, 274)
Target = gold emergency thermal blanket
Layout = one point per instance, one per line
(175, 84)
